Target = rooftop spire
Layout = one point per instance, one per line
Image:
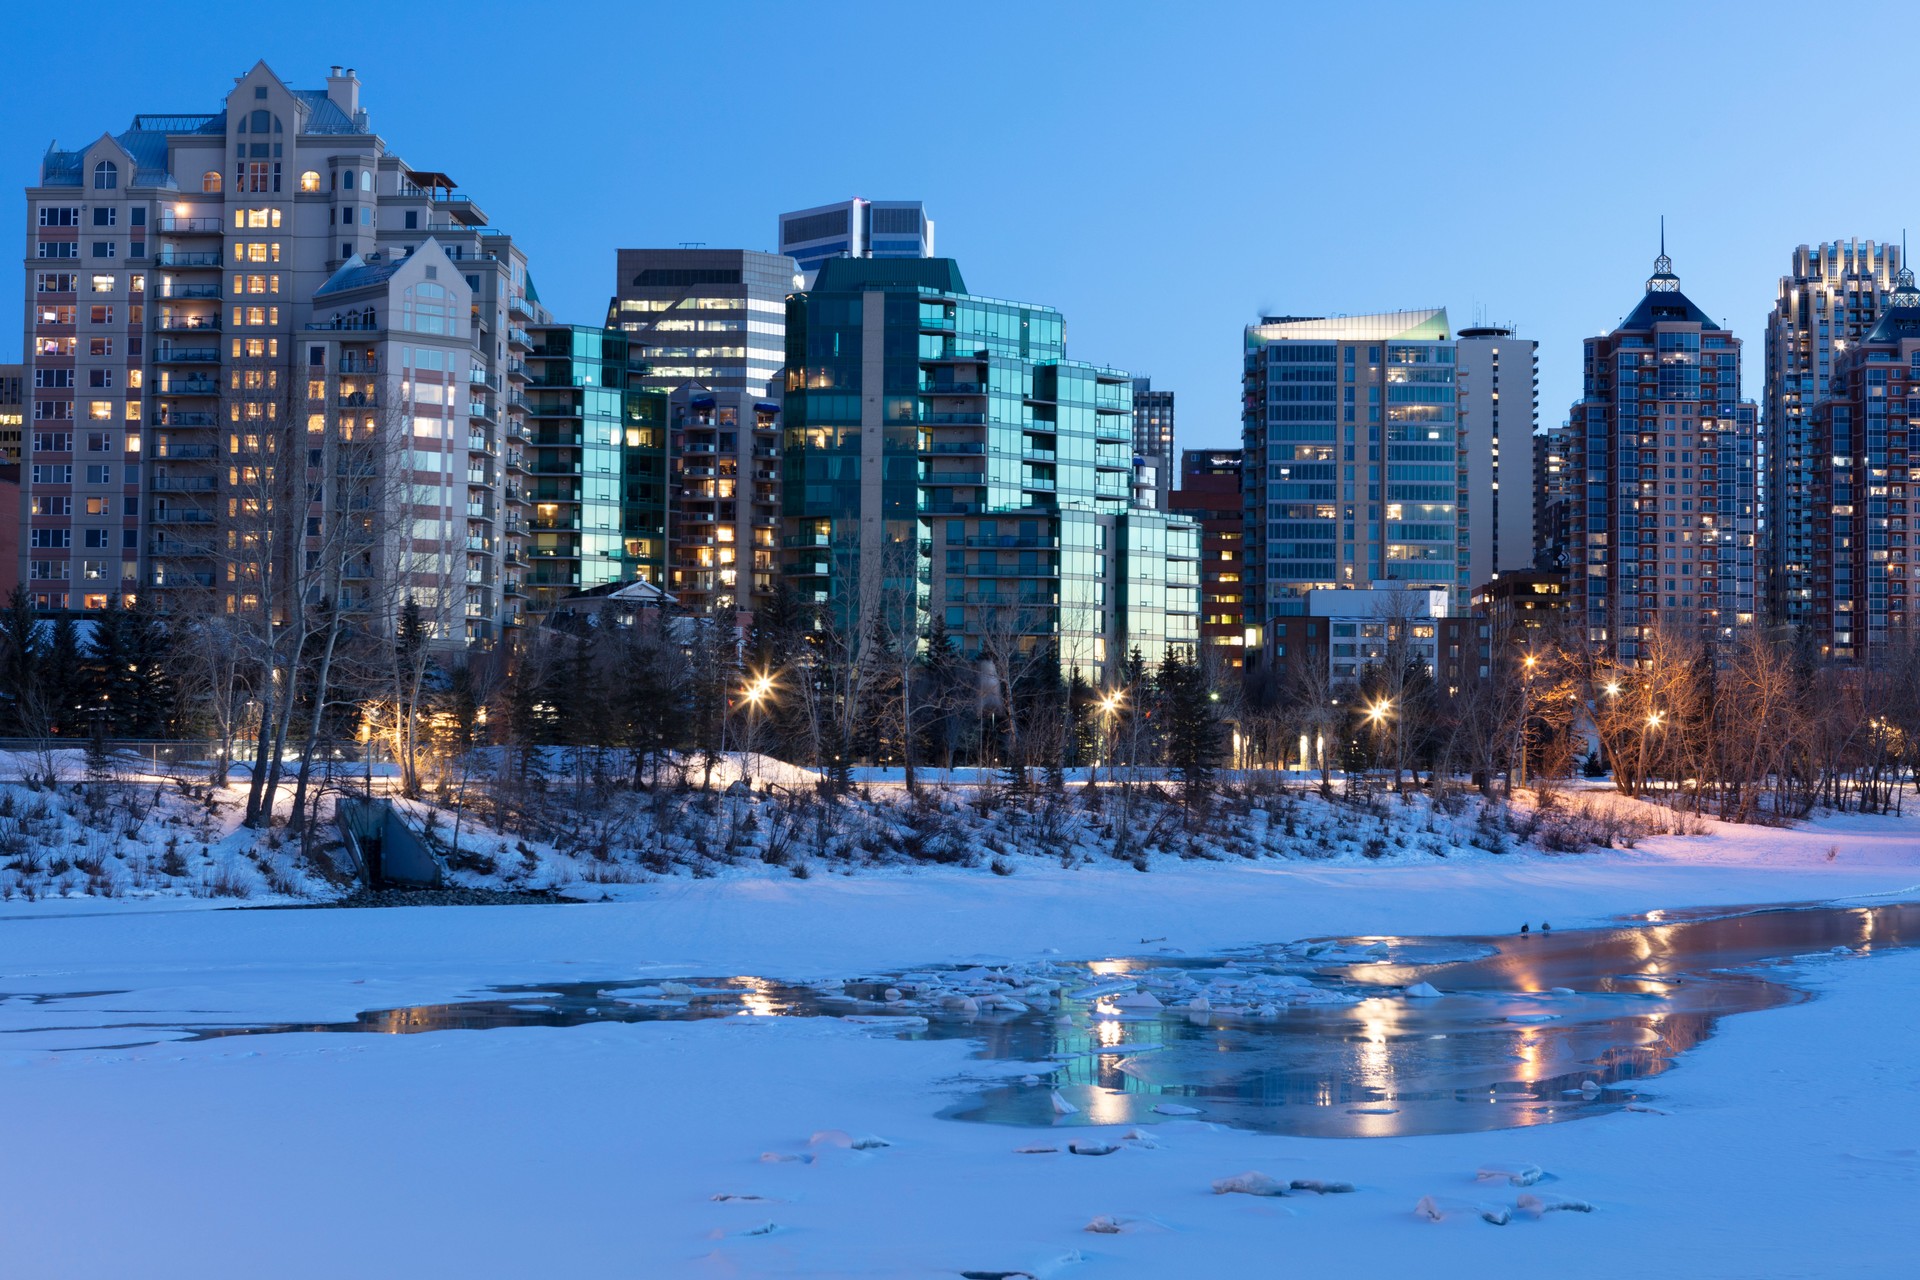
(1663, 280)
(1904, 293)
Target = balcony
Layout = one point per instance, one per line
(964, 478)
(175, 547)
(517, 305)
(187, 355)
(461, 209)
(188, 324)
(350, 363)
(189, 292)
(954, 419)
(169, 258)
(953, 388)
(518, 337)
(358, 400)
(178, 420)
(181, 517)
(949, 447)
(184, 484)
(517, 369)
(168, 452)
(172, 223)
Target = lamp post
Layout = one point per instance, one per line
(1377, 714)
(755, 691)
(1110, 707)
(1653, 722)
(1527, 665)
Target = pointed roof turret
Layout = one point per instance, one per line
(1663, 280)
(1901, 318)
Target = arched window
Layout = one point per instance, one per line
(310, 181)
(210, 181)
(106, 176)
(366, 180)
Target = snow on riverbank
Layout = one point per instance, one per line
(602, 1149)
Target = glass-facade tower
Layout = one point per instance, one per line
(1350, 433)
(942, 439)
(596, 463)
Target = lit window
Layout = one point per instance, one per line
(309, 181)
(210, 182)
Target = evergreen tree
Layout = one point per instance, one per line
(1189, 723)
(63, 683)
(22, 658)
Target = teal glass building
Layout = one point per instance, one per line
(940, 444)
(596, 464)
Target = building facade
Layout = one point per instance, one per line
(856, 228)
(1830, 298)
(1209, 495)
(941, 449)
(1497, 420)
(1660, 478)
(13, 411)
(1550, 533)
(709, 327)
(1153, 436)
(1860, 578)
(173, 273)
(1350, 433)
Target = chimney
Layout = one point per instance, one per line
(343, 90)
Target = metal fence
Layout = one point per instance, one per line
(155, 755)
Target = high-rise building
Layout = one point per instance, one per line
(183, 278)
(942, 450)
(596, 464)
(856, 228)
(1860, 575)
(13, 402)
(710, 327)
(1550, 533)
(1660, 479)
(1350, 434)
(1153, 435)
(1497, 417)
(1209, 494)
(1830, 299)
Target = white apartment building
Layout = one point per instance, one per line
(215, 304)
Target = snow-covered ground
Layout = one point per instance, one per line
(1790, 1144)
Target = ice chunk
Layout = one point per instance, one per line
(1092, 1148)
(1099, 989)
(1533, 1017)
(1541, 1206)
(894, 1021)
(1251, 1183)
(764, 1229)
(959, 1004)
(1520, 1175)
(1437, 1208)
(1138, 1000)
(1321, 1186)
(675, 989)
(1373, 1111)
(1104, 1225)
(1422, 991)
(1200, 1004)
(1126, 1047)
(730, 1195)
(1061, 1107)
(1036, 1151)
(1175, 1109)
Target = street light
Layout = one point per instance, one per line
(1613, 688)
(1109, 707)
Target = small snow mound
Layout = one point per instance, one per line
(1175, 1109)
(1138, 1000)
(1519, 1175)
(1251, 1183)
(1104, 1225)
(1422, 991)
(1439, 1208)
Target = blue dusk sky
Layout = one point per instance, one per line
(1163, 174)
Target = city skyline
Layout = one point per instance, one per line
(1484, 233)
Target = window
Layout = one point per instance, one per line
(59, 216)
(309, 181)
(93, 570)
(51, 538)
(100, 314)
(105, 215)
(210, 182)
(98, 441)
(99, 346)
(99, 473)
(100, 378)
(100, 507)
(413, 220)
(56, 282)
(104, 284)
(58, 249)
(51, 570)
(52, 507)
(53, 442)
(106, 176)
(103, 249)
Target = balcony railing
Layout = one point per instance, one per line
(183, 420)
(171, 222)
(168, 258)
(187, 355)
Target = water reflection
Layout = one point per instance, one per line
(1530, 1029)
